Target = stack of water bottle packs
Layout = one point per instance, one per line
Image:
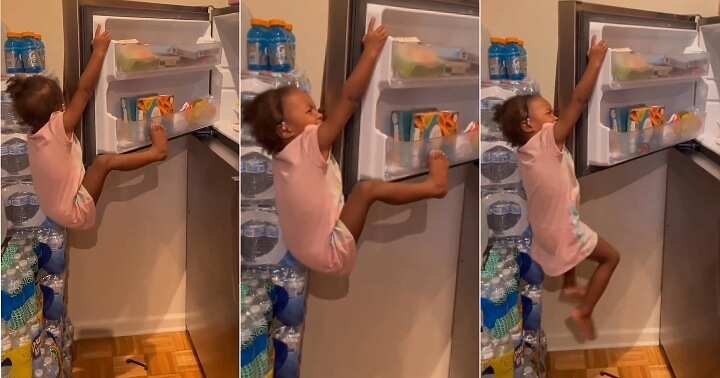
(513, 343)
(272, 315)
(36, 334)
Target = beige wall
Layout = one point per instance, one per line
(629, 312)
(309, 19)
(128, 275)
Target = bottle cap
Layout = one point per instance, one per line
(499, 40)
(37, 36)
(276, 22)
(289, 26)
(27, 34)
(258, 22)
(14, 35)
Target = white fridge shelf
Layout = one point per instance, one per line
(627, 145)
(438, 82)
(132, 135)
(406, 159)
(138, 60)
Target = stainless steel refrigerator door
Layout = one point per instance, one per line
(212, 262)
(346, 29)
(77, 24)
(690, 294)
(574, 19)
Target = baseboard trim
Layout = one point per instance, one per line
(608, 339)
(129, 326)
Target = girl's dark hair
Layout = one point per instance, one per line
(264, 113)
(35, 98)
(510, 115)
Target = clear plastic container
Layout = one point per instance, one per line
(628, 145)
(135, 134)
(136, 58)
(630, 68)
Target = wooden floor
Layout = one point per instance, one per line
(167, 355)
(637, 362)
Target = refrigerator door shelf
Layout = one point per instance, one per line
(137, 60)
(415, 64)
(132, 135)
(405, 159)
(628, 145)
(388, 91)
(636, 70)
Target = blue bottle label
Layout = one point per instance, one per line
(495, 65)
(12, 60)
(279, 55)
(254, 54)
(515, 66)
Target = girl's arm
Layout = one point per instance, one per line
(354, 87)
(581, 94)
(87, 83)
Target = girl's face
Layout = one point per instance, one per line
(539, 113)
(299, 112)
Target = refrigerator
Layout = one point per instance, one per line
(157, 49)
(674, 64)
(190, 53)
(397, 309)
(690, 220)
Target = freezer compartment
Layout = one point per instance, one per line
(634, 70)
(201, 113)
(627, 145)
(404, 156)
(444, 66)
(137, 60)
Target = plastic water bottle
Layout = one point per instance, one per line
(21, 207)
(287, 352)
(13, 59)
(257, 45)
(40, 51)
(53, 303)
(32, 54)
(503, 215)
(289, 293)
(291, 45)
(255, 177)
(496, 58)
(523, 57)
(52, 261)
(278, 47)
(14, 156)
(514, 59)
(498, 163)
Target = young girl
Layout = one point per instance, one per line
(560, 239)
(67, 193)
(317, 227)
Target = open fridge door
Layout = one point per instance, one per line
(710, 41)
(429, 64)
(226, 30)
(161, 67)
(649, 95)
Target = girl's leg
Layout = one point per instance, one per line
(395, 193)
(570, 289)
(608, 258)
(103, 164)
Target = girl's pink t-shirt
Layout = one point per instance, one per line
(309, 199)
(57, 171)
(560, 239)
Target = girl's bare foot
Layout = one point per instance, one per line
(438, 164)
(159, 142)
(573, 293)
(583, 323)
